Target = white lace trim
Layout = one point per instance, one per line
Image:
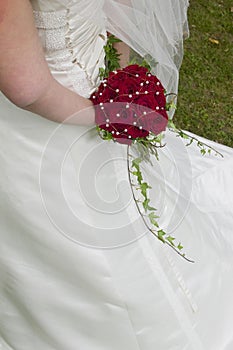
(53, 28)
(50, 20)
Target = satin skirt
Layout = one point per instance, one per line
(78, 267)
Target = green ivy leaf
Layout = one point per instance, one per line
(112, 57)
(203, 151)
(170, 239)
(144, 187)
(153, 218)
(146, 205)
(101, 73)
(184, 136)
(136, 162)
(138, 174)
(180, 247)
(161, 235)
(171, 124)
(112, 39)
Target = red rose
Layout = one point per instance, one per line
(153, 86)
(130, 104)
(136, 69)
(155, 122)
(146, 100)
(156, 81)
(129, 87)
(157, 90)
(161, 99)
(116, 112)
(116, 79)
(107, 95)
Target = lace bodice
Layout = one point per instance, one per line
(73, 36)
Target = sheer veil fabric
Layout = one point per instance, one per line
(78, 268)
(155, 30)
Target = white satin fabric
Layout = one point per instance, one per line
(78, 268)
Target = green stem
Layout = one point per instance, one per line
(143, 216)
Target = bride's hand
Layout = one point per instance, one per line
(25, 78)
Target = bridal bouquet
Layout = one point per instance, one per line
(131, 105)
(131, 108)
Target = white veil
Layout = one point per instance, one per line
(155, 30)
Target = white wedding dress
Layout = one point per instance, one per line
(78, 269)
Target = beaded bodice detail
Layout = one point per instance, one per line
(73, 37)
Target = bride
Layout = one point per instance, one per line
(78, 268)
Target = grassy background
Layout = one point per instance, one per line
(205, 103)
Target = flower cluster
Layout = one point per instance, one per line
(131, 104)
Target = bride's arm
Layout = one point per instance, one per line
(24, 74)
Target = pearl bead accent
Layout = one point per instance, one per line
(130, 96)
(141, 84)
(157, 108)
(145, 113)
(158, 83)
(101, 94)
(107, 120)
(117, 133)
(126, 130)
(137, 93)
(117, 90)
(118, 115)
(127, 106)
(149, 75)
(107, 125)
(101, 103)
(147, 82)
(93, 97)
(140, 127)
(146, 92)
(102, 107)
(113, 132)
(105, 85)
(111, 101)
(129, 136)
(134, 123)
(157, 93)
(137, 75)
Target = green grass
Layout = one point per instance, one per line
(205, 103)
